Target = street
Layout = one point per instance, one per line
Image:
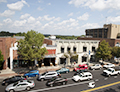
(72, 86)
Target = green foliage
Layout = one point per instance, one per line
(116, 51)
(1, 58)
(30, 47)
(75, 57)
(103, 51)
(66, 55)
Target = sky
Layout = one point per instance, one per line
(57, 17)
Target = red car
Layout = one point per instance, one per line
(81, 67)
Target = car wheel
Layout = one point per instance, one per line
(109, 75)
(51, 85)
(64, 83)
(93, 69)
(42, 79)
(66, 71)
(118, 74)
(79, 80)
(6, 84)
(28, 88)
(11, 90)
(88, 78)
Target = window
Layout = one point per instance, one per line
(93, 49)
(68, 49)
(62, 50)
(100, 33)
(84, 49)
(74, 49)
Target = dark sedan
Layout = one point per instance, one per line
(56, 81)
(12, 79)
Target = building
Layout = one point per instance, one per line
(110, 31)
(85, 49)
(57, 48)
(5, 44)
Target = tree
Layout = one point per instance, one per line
(1, 58)
(103, 51)
(31, 47)
(115, 52)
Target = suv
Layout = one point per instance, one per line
(82, 76)
(47, 75)
(81, 67)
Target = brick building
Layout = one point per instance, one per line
(5, 44)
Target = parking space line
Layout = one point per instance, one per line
(101, 87)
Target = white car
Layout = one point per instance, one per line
(109, 65)
(20, 86)
(82, 76)
(95, 66)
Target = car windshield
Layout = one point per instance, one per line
(109, 70)
(43, 73)
(29, 81)
(15, 83)
(80, 75)
(32, 72)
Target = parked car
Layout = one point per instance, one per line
(82, 76)
(109, 65)
(63, 70)
(20, 86)
(95, 66)
(47, 75)
(56, 81)
(32, 73)
(13, 79)
(81, 67)
(111, 71)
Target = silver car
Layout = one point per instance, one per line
(47, 75)
(20, 85)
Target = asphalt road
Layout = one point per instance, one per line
(72, 86)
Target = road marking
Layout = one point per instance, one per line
(69, 78)
(57, 87)
(101, 87)
(105, 78)
(97, 80)
(115, 76)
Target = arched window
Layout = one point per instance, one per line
(93, 48)
(62, 49)
(74, 49)
(68, 48)
(84, 48)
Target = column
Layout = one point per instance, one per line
(11, 58)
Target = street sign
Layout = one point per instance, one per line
(89, 52)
